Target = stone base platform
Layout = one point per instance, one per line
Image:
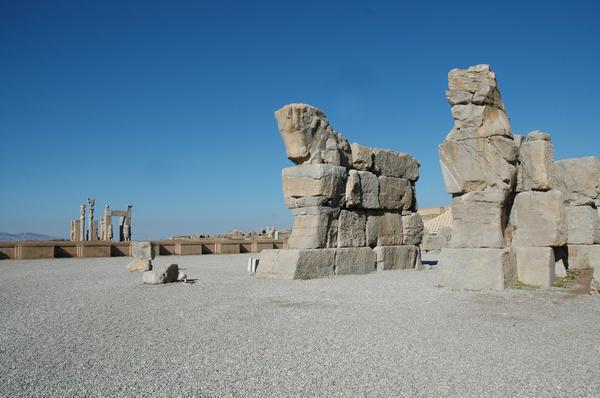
(322, 263)
(477, 269)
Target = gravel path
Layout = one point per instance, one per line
(74, 327)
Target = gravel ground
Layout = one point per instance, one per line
(74, 327)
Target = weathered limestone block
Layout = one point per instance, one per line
(578, 179)
(142, 250)
(583, 225)
(362, 157)
(139, 265)
(478, 121)
(536, 154)
(538, 219)
(314, 185)
(584, 256)
(355, 260)
(362, 190)
(595, 284)
(309, 138)
(412, 229)
(314, 228)
(395, 193)
(397, 257)
(478, 164)
(296, 264)
(477, 269)
(535, 265)
(164, 274)
(475, 85)
(478, 220)
(384, 228)
(351, 229)
(395, 164)
(436, 241)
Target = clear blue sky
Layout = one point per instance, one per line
(169, 105)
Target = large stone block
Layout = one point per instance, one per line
(296, 264)
(384, 228)
(355, 260)
(396, 193)
(478, 164)
(578, 179)
(395, 164)
(362, 157)
(476, 85)
(314, 185)
(478, 121)
(362, 190)
(536, 155)
(309, 138)
(478, 220)
(412, 229)
(351, 229)
(142, 250)
(538, 219)
(584, 256)
(583, 225)
(477, 269)
(535, 265)
(397, 257)
(164, 274)
(314, 228)
(139, 265)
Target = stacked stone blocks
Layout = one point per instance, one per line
(354, 207)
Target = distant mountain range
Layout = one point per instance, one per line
(8, 237)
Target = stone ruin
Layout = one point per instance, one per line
(354, 207)
(82, 231)
(518, 215)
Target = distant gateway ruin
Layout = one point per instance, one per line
(79, 232)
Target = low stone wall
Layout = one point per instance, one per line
(65, 249)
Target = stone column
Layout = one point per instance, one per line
(91, 229)
(82, 222)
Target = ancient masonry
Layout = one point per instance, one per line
(79, 232)
(354, 207)
(518, 215)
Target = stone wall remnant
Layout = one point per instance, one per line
(518, 215)
(354, 207)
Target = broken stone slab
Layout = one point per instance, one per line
(309, 138)
(578, 179)
(477, 269)
(412, 229)
(139, 265)
(384, 228)
(536, 157)
(478, 164)
(583, 225)
(436, 241)
(362, 190)
(355, 260)
(351, 228)
(584, 256)
(314, 228)
(163, 274)
(142, 250)
(396, 193)
(395, 164)
(296, 264)
(362, 157)
(476, 85)
(538, 219)
(314, 185)
(535, 265)
(478, 220)
(397, 257)
(478, 121)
